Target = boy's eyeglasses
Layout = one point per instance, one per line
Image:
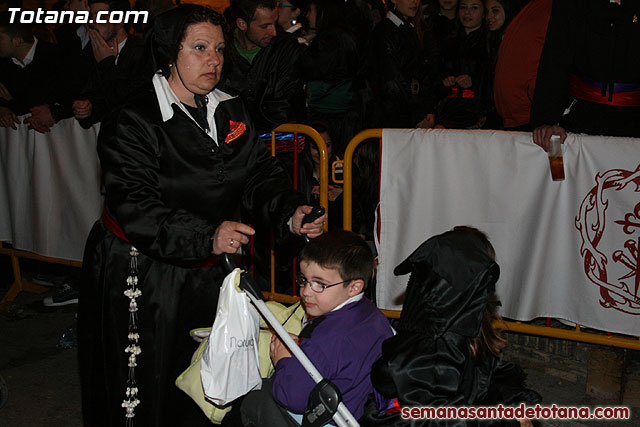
(317, 287)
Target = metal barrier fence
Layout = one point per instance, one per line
(308, 131)
(576, 334)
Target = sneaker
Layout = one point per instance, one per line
(65, 296)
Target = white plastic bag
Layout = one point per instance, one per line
(229, 366)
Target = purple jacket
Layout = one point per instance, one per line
(342, 347)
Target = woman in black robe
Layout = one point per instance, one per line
(177, 163)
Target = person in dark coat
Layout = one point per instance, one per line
(498, 14)
(399, 71)
(589, 73)
(442, 19)
(113, 74)
(446, 351)
(263, 66)
(177, 162)
(329, 68)
(72, 37)
(464, 62)
(31, 78)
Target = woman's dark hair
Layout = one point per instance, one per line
(170, 29)
(489, 340)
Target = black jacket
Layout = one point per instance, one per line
(42, 82)
(270, 86)
(465, 54)
(109, 85)
(400, 75)
(596, 40)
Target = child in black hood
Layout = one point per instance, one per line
(447, 351)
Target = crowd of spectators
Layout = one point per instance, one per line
(352, 64)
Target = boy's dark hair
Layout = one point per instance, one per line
(343, 251)
(15, 29)
(246, 9)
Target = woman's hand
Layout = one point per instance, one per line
(229, 236)
(278, 350)
(311, 229)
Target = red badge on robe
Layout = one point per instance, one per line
(235, 130)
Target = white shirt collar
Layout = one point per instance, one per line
(350, 300)
(29, 58)
(120, 46)
(83, 33)
(394, 18)
(166, 97)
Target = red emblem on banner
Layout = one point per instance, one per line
(235, 130)
(619, 280)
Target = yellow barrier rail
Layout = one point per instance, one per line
(324, 194)
(507, 325)
(347, 170)
(322, 151)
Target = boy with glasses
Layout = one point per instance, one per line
(342, 336)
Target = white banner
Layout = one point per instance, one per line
(566, 249)
(49, 188)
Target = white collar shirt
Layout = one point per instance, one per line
(29, 58)
(166, 97)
